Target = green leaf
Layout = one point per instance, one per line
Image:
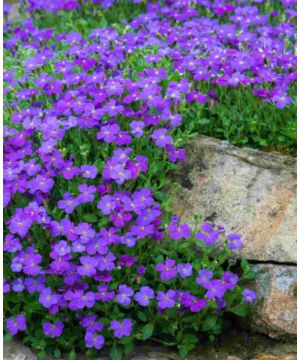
(203, 121)
(90, 218)
(147, 331)
(142, 316)
(72, 355)
(190, 339)
(212, 337)
(7, 337)
(189, 319)
(159, 259)
(128, 348)
(116, 353)
(241, 310)
(42, 354)
(125, 340)
(57, 354)
(209, 323)
(245, 265)
(251, 275)
(223, 256)
(185, 349)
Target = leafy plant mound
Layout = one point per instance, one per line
(96, 119)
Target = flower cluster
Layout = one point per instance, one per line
(95, 125)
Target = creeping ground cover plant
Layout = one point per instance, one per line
(98, 109)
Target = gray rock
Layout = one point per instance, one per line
(247, 191)
(275, 310)
(13, 350)
(233, 346)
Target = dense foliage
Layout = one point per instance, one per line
(100, 98)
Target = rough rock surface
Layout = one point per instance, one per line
(234, 346)
(13, 350)
(253, 193)
(275, 310)
(281, 357)
(247, 191)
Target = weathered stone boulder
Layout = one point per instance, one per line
(275, 310)
(253, 193)
(247, 191)
(274, 357)
(13, 350)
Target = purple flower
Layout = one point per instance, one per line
(144, 296)
(35, 284)
(68, 204)
(137, 128)
(112, 109)
(281, 100)
(116, 172)
(94, 340)
(41, 183)
(121, 328)
(16, 264)
(11, 244)
(18, 285)
(86, 193)
(106, 262)
(6, 286)
(70, 171)
(143, 198)
(85, 232)
(125, 294)
(197, 305)
(89, 171)
(209, 235)
(62, 248)
(107, 204)
(230, 280)
(175, 154)
(79, 299)
(19, 225)
(108, 133)
(167, 269)
(53, 329)
(204, 277)
(166, 300)
(192, 302)
(129, 240)
(216, 289)
(16, 324)
(185, 270)
(179, 231)
(47, 298)
(103, 294)
(141, 270)
(91, 324)
(249, 295)
(127, 260)
(30, 264)
(235, 241)
(88, 267)
(161, 138)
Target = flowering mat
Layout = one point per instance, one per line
(100, 98)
